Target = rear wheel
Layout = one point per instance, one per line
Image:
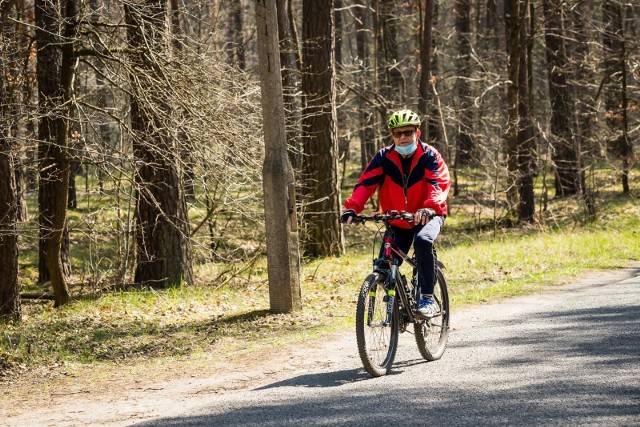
(377, 336)
(432, 334)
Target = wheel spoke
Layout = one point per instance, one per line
(432, 334)
(377, 339)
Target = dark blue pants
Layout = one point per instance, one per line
(422, 237)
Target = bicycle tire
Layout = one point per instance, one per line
(377, 341)
(432, 334)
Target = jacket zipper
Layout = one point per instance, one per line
(405, 182)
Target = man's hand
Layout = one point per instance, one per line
(423, 216)
(347, 216)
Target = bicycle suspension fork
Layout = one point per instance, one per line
(391, 293)
(391, 279)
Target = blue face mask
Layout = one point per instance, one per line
(406, 150)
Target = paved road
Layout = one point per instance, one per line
(567, 357)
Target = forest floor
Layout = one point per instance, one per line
(137, 390)
(108, 394)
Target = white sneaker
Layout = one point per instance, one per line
(427, 307)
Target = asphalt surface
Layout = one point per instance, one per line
(567, 357)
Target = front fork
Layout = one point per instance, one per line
(388, 298)
(391, 293)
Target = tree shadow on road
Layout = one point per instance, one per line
(571, 365)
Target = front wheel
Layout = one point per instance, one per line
(376, 332)
(432, 334)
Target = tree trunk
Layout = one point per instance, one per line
(519, 136)
(563, 145)
(19, 85)
(294, 34)
(235, 36)
(436, 132)
(291, 85)
(492, 25)
(344, 134)
(9, 286)
(75, 168)
(323, 234)
(56, 70)
(616, 100)
(578, 53)
(239, 35)
(512, 29)
(338, 5)
(392, 87)
(365, 115)
(526, 135)
(583, 96)
(184, 142)
(426, 104)
(466, 151)
(105, 100)
(163, 248)
(283, 258)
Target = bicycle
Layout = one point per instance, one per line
(379, 322)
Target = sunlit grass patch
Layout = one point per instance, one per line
(226, 310)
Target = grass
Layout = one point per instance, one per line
(212, 319)
(513, 267)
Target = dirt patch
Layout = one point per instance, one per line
(126, 393)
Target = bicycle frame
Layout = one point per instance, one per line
(387, 265)
(391, 273)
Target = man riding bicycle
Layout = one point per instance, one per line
(410, 176)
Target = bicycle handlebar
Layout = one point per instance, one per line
(385, 217)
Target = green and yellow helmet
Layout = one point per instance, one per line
(403, 118)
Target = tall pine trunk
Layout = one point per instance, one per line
(290, 83)
(323, 234)
(390, 77)
(526, 134)
(163, 247)
(520, 141)
(577, 50)
(563, 144)
(466, 150)
(426, 103)
(366, 117)
(56, 69)
(616, 98)
(9, 286)
(235, 36)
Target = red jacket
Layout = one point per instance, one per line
(426, 185)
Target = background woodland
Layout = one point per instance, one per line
(132, 144)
